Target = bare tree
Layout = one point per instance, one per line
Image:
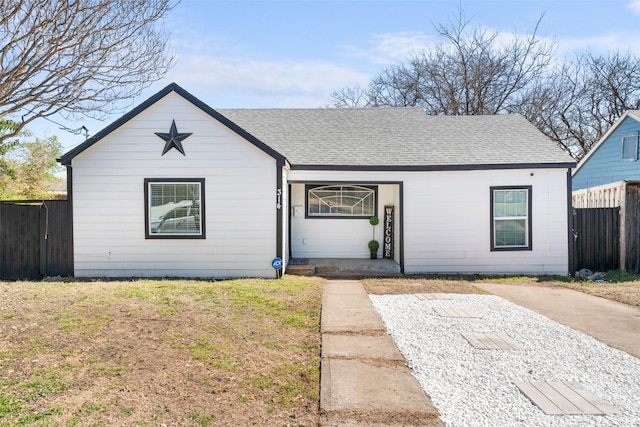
(473, 72)
(351, 97)
(77, 56)
(554, 106)
(577, 103)
(477, 72)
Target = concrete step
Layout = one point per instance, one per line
(345, 267)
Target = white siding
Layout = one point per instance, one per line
(447, 222)
(108, 199)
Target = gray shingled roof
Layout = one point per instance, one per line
(393, 137)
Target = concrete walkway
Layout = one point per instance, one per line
(610, 322)
(364, 378)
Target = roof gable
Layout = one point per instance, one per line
(605, 164)
(66, 158)
(632, 114)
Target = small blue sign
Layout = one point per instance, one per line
(277, 263)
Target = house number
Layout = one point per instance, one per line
(279, 198)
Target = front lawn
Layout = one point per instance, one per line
(160, 352)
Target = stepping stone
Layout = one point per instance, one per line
(498, 341)
(426, 297)
(565, 398)
(455, 312)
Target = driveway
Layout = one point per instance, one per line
(613, 323)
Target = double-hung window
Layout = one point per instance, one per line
(510, 218)
(341, 201)
(174, 208)
(630, 147)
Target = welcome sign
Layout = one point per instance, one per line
(387, 247)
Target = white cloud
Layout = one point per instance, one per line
(634, 6)
(225, 74)
(610, 42)
(392, 48)
(236, 81)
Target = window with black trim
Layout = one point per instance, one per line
(341, 201)
(510, 218)
(630, 147)
(174, 208)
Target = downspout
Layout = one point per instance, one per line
(70, 217)
(279, 216)
(571, 236)
(289, 210)
(401, 223)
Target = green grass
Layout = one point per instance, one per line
(216, 355)
(90, 408)
(618, 276)
(17, 396)
(202, 420)
(10, 405)
(288, 383)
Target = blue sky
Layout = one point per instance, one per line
(263, 54)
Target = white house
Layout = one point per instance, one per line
(176, 188)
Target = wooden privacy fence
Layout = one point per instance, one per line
(630, 232)
(35, 239)
(597, 238)
(624, 195)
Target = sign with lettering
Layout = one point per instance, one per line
(387, 245)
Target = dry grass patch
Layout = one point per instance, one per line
(624, 292)
(160, 352)
(617, 286)
(421, 285)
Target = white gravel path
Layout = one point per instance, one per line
(473, 387)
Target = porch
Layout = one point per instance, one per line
(343, 267)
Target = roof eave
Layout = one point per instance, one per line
(428, 168)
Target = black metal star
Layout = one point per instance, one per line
(173, 139)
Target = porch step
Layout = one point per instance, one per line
(346, 267)
(301, 270)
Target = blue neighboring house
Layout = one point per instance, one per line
(614, 158)
(609, 177)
